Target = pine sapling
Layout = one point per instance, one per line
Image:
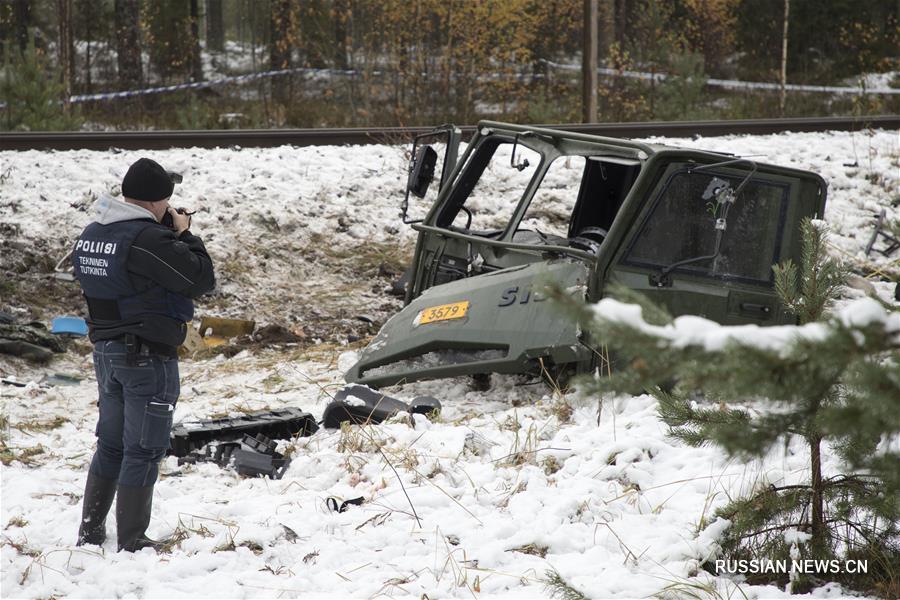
(32, 91)
(820, 280)
(833, 379)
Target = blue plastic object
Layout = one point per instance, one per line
(74, 326)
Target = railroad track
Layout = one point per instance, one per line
(157, 140)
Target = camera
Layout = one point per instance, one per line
(169, 222)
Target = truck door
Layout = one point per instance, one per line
(480, 202)
(663, 253)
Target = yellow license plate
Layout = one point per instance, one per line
(444, 312)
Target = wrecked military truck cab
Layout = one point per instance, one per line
(526, 207)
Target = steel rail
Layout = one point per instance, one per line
(158, 140)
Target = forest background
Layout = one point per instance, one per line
(426, 62)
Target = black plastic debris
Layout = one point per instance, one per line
(219, 454)
(398, 287)
(30, 341)
(890, 243)
(13, 382)
(258, 458)
(25, 350)
(360, 404)
(335, 505)
(279, 424)
(246, 443)
(251, 457)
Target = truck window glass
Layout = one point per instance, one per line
(498, 188)
(550, 210)
(682, 226)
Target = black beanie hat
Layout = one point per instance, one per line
(146, 180)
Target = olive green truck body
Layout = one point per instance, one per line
(524, 207)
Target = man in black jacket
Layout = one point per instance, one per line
(139, 277)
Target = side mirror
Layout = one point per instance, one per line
(421, 171)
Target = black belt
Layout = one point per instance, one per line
(136, 346)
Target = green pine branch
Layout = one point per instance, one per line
(809, 289)
(698, 426)
(560, 588)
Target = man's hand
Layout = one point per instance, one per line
(180, 222)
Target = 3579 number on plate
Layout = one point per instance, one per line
(444, 312)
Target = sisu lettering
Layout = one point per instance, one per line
(509, 296)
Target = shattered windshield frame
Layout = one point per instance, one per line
(475, 168)
(451, 217)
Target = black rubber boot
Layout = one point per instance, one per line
(133, 506)
(98, 497)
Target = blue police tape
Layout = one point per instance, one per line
(196, 85)
(725, 83)
(733, 84)
(204, 84)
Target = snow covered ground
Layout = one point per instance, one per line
(505, 486)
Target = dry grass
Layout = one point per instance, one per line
(696, 590)
(356, 439)
(4, 430)
(562, 410)
(17, 521)
(377, 256)
(409, 459)
(524, 448)
(550, 465)
(560, 407)
(254, 547)
(532, 549)
(38, 426)
(20, 547)
(23, 455)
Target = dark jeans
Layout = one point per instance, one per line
(136, 406)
